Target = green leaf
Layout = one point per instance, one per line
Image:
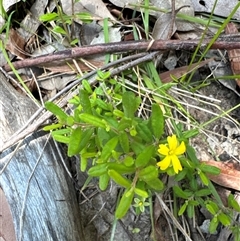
(140, 192)
(137, 147)
(61, 138)
(103, 181)
(103, 105)
(108, 148)
(85, 17)
(193, 202)
(202, 192)
(74, 101)
(155, 184)
(124, 141)
(57, 111)
(190, 133)
(192, 154)
(76, 115)
(83, 163)
(124, 124)
(88, 154)
(128, 161)
(190, 210)
(233, 203)
(181, 175)
(133, 131)
(93, 120)
(204, 178)
(124, 204)
(110, 121)
(144, 132)
(98, 170)
(213, 225)
(121, 168)
(103, 75)
(74, 142)
(64, 131)
(85, 102)
(157, 121)
(212, 207)
(118, 113)
(148, 173)
(188, 163)
(70, 121)
(209, 169)
(144, 157)
(224, 219)
(215, 193)
(52, 127)
(87, 86)
(236, 232)
(86, 135)
(119, 179)
(58, 29)
(180, 193)
(74, 42)
(102, 137)
(193, 183)
(129, 104)
(182, 209)
(48, 17)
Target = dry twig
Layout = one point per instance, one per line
(127, 46)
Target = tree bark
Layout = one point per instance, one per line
(38, 189)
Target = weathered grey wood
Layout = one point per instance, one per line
(39, 191)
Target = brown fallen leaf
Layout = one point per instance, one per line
(180, 71)
(229, 176)
(69, 68)
(234, 54)
(16, 44)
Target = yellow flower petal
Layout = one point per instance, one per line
(176, 164)
(165, 163)
(172, 142)
(163, 150)
(180, 149)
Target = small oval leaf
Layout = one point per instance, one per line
(157, 121)
(74, 142)
(98, 170)
(124, 204)
(108, 148)
(144, 157)
(56, 110)
(93, 120)
(141, 193)
(155, 184)
(124, 141)
(119, 179)
(148, 173)
(180, 193)
(103, 181)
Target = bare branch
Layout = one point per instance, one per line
(128, 46)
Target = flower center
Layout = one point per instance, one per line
(171, 152)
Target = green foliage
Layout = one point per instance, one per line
(63, 22)
(157, 121)
(114, 144)
(108, 136)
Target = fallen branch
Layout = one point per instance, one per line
(116, 47)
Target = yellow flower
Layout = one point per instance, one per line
(171, 153)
